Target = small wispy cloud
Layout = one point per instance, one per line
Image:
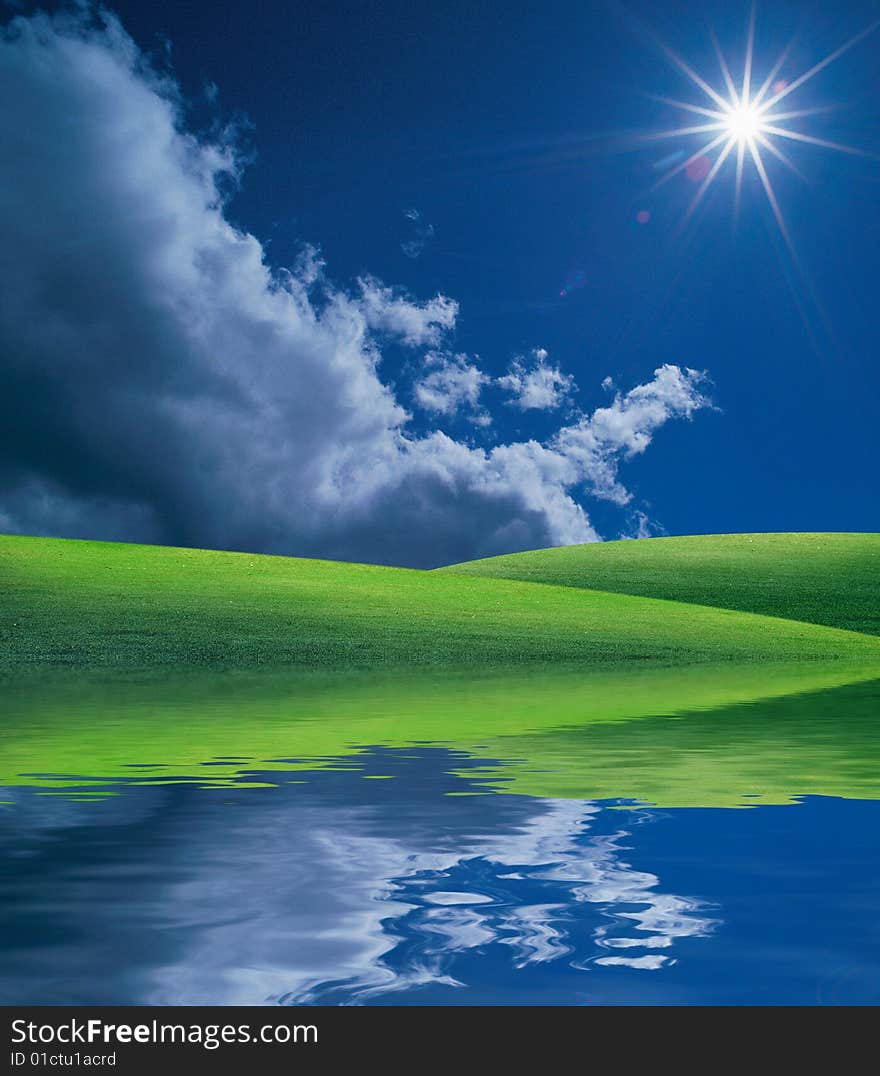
(642, 526)
(535, 385)
(597, 442)
(421, 232)
(452, 384)
(392, 311)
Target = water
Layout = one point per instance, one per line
(420, 874)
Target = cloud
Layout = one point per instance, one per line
(391, 311)
(598, 442)
(451, 384)
(420, 234)
(641, 526)
(159, 381)
(534, 385)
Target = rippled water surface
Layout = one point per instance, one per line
(412, 875)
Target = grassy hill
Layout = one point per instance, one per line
(831, 579)
(142, 609)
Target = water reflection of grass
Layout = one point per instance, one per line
(607, 739)
(766, 751)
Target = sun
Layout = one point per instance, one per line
(744, 122)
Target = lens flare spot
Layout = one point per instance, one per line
(643, 216)
(668, 161)
(698, 169)
(574, 280)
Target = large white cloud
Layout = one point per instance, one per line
(159, 381)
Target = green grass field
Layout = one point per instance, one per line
(114, 654)
(141, 609)
(831, 579)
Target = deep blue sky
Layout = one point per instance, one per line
(494, 125)
(506, 127)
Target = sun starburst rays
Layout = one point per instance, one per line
(742, 124)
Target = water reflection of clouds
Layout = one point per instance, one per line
(350, 914)
(329, 914)
(331, 891)
(555, 851)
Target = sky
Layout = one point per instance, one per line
(391, 283)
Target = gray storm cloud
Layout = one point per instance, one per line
(159, 381)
